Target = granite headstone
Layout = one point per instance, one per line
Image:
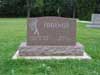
(51, 31)
(51, 36)
(95, 21)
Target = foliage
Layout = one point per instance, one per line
(81, 9)
(85, 8)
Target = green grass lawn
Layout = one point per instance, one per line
(13, 32)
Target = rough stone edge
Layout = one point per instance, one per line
(85, 56)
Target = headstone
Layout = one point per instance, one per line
(95, 21)
(51, 31)
(51, 36)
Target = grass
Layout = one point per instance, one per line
(13, 32)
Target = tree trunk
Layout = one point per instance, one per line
(28, 8)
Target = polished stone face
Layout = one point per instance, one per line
(51, 31)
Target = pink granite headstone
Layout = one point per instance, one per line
(51, 31)
(51, 36)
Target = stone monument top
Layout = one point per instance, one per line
(96, 18)
(51, 31)
(95, 21)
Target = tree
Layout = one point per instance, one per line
(85, 8)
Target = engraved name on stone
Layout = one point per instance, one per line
(56, 25)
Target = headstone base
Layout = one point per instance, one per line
(85, 56)
(25, 50)
(93, 26)
(51, 52)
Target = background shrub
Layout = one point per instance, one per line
(81, 9)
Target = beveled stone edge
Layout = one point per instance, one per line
(85, 56)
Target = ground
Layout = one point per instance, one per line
(13, 32)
